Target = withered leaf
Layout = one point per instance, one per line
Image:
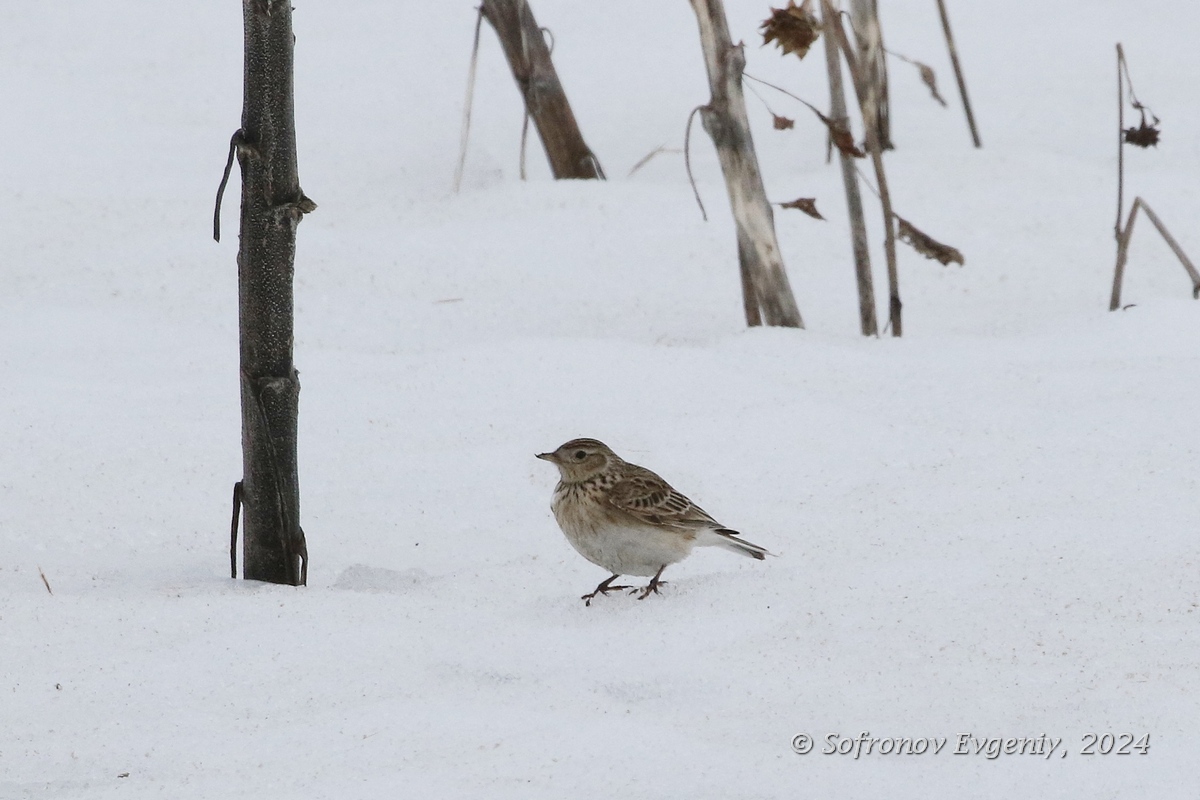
(926, 245)
(783, 123)
(929, 78)
(1143, 135)
(806, 204)
(839, 134)
(844, 141)
(793, 29)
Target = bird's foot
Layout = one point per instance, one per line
(604, 588)
(652, 586)
(587, 598)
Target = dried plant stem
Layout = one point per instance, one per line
(1125, 93)
(1123, 237)
(1126, 235)
(45, 582)
(867, 104)
(1122, 78)
(958, 74)
(864, 18)
(838, 133)
(466, 123)
(1174, 245)
(1124, 231)
(646, 159)
(854, 207)
(687, 161)
(795, 97)
(524, 139)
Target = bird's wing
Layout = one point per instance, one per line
(648, 498)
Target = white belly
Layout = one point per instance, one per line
(621, 549)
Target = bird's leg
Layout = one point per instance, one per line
(604, 588)
(652, 586)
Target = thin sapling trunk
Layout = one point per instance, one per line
(854, 206)
(273, 204)
(766, 292)
(545, 100)
(866, 94)
(872, 59)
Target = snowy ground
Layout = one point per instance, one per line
(987, 527)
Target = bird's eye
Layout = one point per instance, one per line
(580, 455)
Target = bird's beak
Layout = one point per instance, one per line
(548, 457)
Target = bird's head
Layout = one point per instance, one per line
(580, 459)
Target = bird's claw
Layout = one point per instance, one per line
(648, 589)
(604, 590)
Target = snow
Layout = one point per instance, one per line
(987, 527)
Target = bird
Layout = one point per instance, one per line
(627, 519)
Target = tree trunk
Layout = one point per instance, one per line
(858, 225)
(545, 101)
(272, 205)
(766, 293)
(864, 17)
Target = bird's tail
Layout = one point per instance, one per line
(723, 537)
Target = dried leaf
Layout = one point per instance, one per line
(926, 245)
(806, 204)
(783, 123)
(842, 138)
(793, 29)
(929, 78)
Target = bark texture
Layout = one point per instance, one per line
(545, 101)
(272, 206)
(766, 293)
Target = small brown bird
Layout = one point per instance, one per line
(627, 519)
